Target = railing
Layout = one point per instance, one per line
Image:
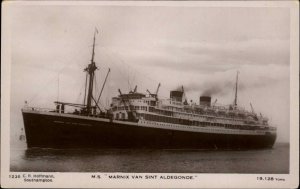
(37, 109)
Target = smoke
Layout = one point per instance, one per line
(225, 86)
(211, 88)
(214, 90)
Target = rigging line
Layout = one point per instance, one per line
(103, 85)
(58, 87)
(54, 76)
(80, 92)
(145, 75)
(123, 62)
(44, 86)
(134, 77)
(129, 86)
(101, 105)
(96, 104)
(95, 85)
(120, 59)
(72, 59)
(140, 73)
(108, 89)
(106, 103)
(117, 66)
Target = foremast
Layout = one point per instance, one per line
(90, 69)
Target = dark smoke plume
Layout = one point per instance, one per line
(226, 87)
(211, 88)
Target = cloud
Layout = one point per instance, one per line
(208, 57)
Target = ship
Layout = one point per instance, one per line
(143, 120)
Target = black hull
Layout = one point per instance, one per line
(54, 131)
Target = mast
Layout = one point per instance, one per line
(86, 77)
(236, 88)
(90, 69)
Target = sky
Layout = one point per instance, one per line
(201, 48)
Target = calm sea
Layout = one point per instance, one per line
(274, 160)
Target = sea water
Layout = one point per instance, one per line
(269, 161)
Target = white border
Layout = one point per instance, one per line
(64, 180)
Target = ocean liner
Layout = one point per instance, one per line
(138, 120)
